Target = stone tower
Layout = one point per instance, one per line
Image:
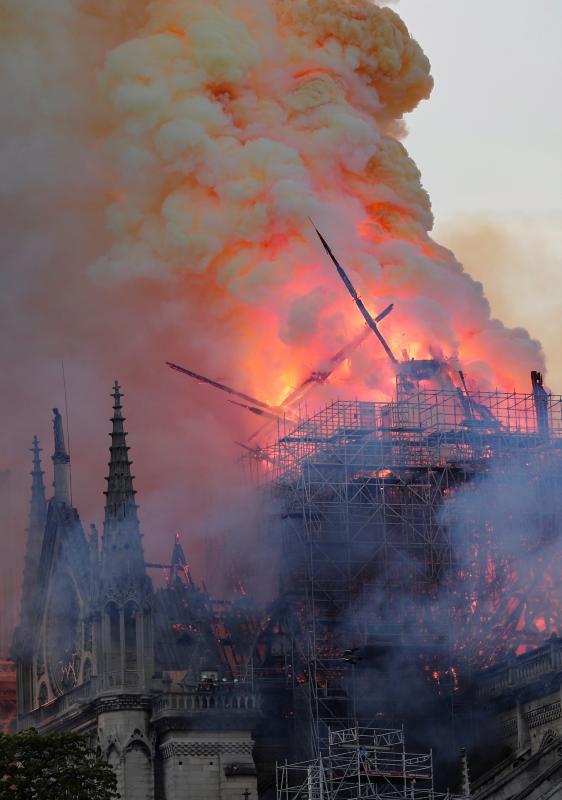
(61, 463)
(152, 678)
(35, 529)
(49, 645)
(124, 631)
(34, 543)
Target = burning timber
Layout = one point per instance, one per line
(384, 550)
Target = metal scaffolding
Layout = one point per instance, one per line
(366, 763)
(360, 488)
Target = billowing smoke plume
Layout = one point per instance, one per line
(230, 124)
(159, 162)
(501, 250)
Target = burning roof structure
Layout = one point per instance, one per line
(425, 523)
(197, 634)
(422, 525)
(422, 522)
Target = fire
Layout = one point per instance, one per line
(240, 144)
(212, 132)
(506, 593)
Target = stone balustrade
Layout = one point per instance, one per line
(219, 699)
(222, 699)
(39, 716)
(522, 670)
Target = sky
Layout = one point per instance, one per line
(488, 147)
(489, 138)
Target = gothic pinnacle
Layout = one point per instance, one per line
(122, 552)
(120, 494)
(38, 505)
(35, 531)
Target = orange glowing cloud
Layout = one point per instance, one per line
(229, 125)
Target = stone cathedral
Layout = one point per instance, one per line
(154, 677)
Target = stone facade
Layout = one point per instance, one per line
(206, 767)
(525, 698)
(98, 651)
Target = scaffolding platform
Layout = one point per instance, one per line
(429, 427)
(362, 490)
(367, 763)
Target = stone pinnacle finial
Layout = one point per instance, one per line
(60, 448)
(122, 551)
(38, 504)
(117, 398)
(35, 530)
(36, 450)
(61, 462)
(120, 494)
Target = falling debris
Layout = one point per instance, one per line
(358, 302)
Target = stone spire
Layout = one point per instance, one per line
(178, 556)
(36, 527)
(179, 568)
(124, 637)
(122, 540)
(38, 504)
(61, 462)
(120, 495)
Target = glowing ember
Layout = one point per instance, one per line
(513, 561)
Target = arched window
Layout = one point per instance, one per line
(114, 759)
(549, 738)
(43, 694)
(131, 618)
(113, 648)
(87, 671)
(138, 771)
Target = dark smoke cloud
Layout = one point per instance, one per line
(502, 596)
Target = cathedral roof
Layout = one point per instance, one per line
(193, 633)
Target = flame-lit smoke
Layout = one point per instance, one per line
(160, 160)
(500, 251)
(505, 533)
(229, 124)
